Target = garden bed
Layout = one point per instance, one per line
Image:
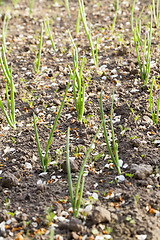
(36, 205)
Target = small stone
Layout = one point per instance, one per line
(56, 102)
(59, 209)
(59, 68)
(147, 119)
(28, 165)
(9, 180)
(141, 171)
(4, 216)
(74, 166)
(62, 86)
(75, 236)
(24, 217)
(150, 181)
(101, 215)
(75, 225)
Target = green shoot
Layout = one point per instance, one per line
(36, 63)
(4, 30)
(4, 65)
(145, 47)
(67, 7)
(50, 215)
(152, 104)
(136, 198)
(156, 12)
(115, 5)
(87, 31)
(12, 213)
(45, 159)
(49, 33)
(114, 153)
(31, 7)
(15, 2)
(75, 201)
(7, 203)
(135, 116)
(78, 85)
(51, 234)
(10, 114)
(78, 22)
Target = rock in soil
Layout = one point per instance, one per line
(9, 180)
(141, 171)
(100, 215)
(4, 216)
(74, 225)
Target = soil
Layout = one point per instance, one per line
(36, 205)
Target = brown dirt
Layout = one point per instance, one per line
(133, 204)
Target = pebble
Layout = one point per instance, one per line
(74, 225)
(147, 120)
(141, 171)
(75, 236)
(28, 165)
(74, 166)
(4, 216)
(56, 102)
(100, 215)
(9, 180)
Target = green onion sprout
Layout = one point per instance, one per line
(152, 104)
(77, 196)
(113, 153)
(145, 47)
(45, 159)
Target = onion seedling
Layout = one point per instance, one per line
(78, 22)
(87, 31)
(3, 60)
(152, 105)
(15, 2)
(10, 115)
(156, 12)
(31, 7)
(36, 63)
(145, 47)
(77, 197)
(45, 159)
(49, 33)
(115, 5)
(4, 29)
(114, 153)
(78, 84)
(67, 7)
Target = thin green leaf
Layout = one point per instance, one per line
(54, 126)
(69, 171)
(83, 165)
(38, 144)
